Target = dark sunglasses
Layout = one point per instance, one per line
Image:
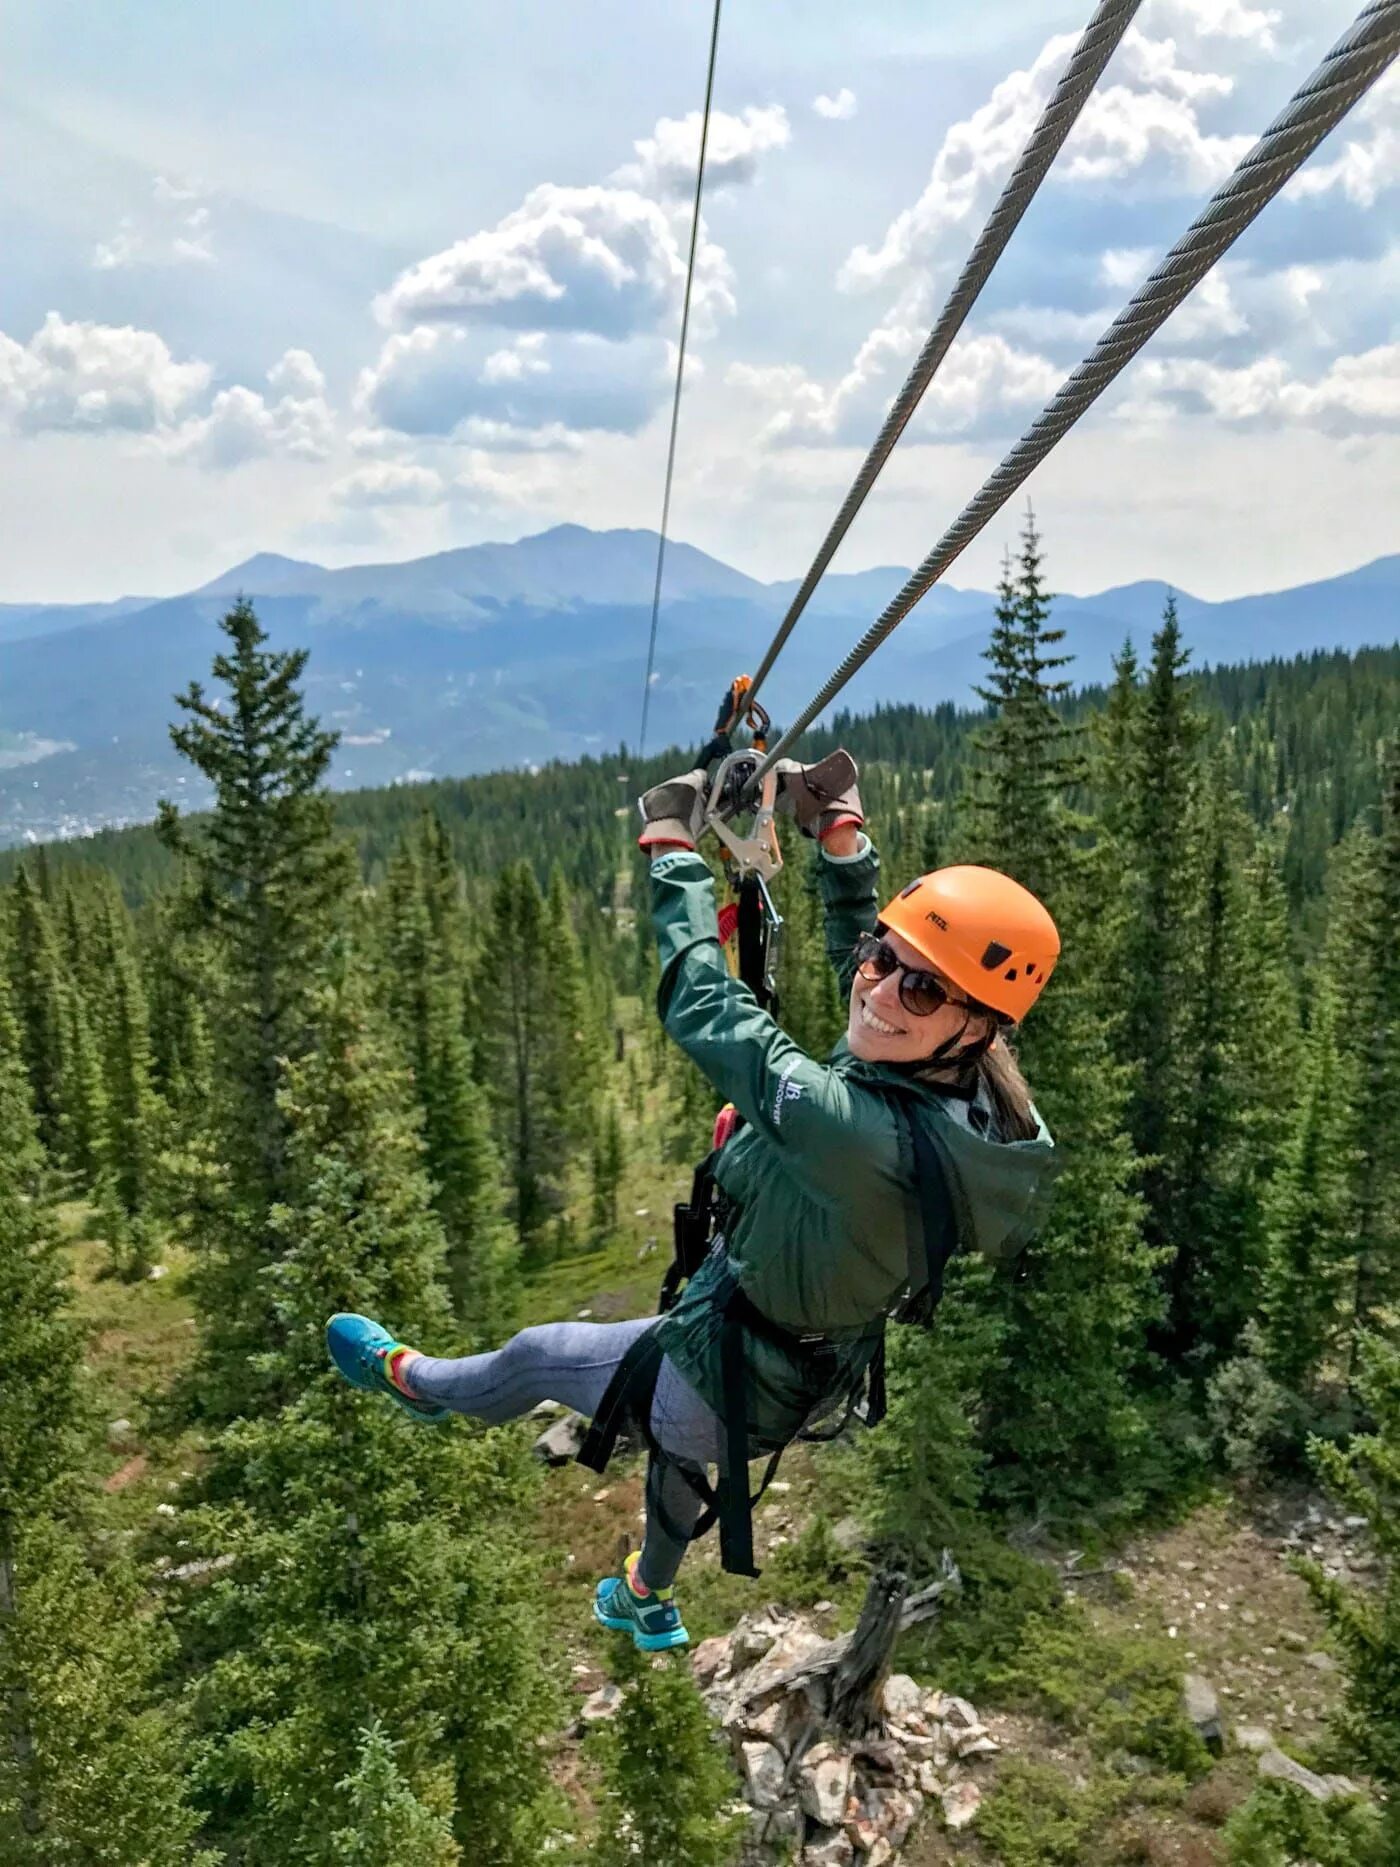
(920, 993)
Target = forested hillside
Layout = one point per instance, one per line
(393, 1052)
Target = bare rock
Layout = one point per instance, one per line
(832, 1850)
(921, 1746)
(928, 1780)
(777, 1828)
(755, 1635)
(798, 1642)
(1283, 1769)
(958, 1715)
(601, 1704)
(901, 1697)
(763, 1769)
(778, 1721)
(848, 1535)
(882, 1754)
(1202, 1709)
(1320, 1662)
(961, 1802)
(970, 1744)
(559, 1443)
(121, 1436)
(824, 1784)
(709, 1660)
(888, 1814)
(880, 1855)
(1255, 1737)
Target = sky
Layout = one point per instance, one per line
(354, 282)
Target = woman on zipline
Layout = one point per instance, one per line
(843, 1187)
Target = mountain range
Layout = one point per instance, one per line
(500, 655)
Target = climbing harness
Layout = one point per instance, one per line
(680, 378)
(626, 1405)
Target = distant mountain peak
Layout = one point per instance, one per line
(266, 573)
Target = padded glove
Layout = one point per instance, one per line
(674, 812)
(820, 796)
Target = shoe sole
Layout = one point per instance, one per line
(649, 1643)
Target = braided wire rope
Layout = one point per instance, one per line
(1096, 45)
(1348, 71)
(680, 378)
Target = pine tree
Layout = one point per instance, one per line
(668, 1792)
(91, 1769)
(574, 1068)
(1242, 1043)
(607, 1176)
(133, 1108)
(271, 875)
(379, 1573)
(424, 992)
(39, 987)
(1374, 995)
(1159, 964)
(531, 1019)
(388, 1825)
(1060, 1415)
(268, 882)
(1313, 1210)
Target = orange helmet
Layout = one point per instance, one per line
(983, 931)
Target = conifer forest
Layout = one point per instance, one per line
(396, 1052)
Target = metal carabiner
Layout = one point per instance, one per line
(757, 853)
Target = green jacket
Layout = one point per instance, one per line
(825, 1221)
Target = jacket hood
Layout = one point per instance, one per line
(999, 1188)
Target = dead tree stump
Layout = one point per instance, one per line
(865, 1665)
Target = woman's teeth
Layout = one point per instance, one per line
(867, 1017)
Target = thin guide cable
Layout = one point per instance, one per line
(680, 379)
(1096, 46)
(1349, 70)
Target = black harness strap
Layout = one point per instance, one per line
(629, 1394)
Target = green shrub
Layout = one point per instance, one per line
(1122, 1692)
(1280, 1825)
(1035, 1817)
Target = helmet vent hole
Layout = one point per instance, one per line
(995, 955)
(1011, 974)
(905, 893)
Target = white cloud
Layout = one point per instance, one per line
(93, 378)
(1356, 395)
(838, 109)
(433, 379)
(390, 484)
(667, 159)
(244, 424)
(599, 259)
(1145, 128)
(1217, 19)
(520, 360)
(983, 382)
(172, 229)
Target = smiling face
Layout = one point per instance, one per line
(881, 1029)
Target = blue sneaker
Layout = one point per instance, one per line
(653, 1619)
(361, 1350)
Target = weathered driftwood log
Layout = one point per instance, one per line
(911, 1611)
(864, 1666)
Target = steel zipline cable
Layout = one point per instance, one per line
(680, 378)
(1081, 74)
(1349, 70)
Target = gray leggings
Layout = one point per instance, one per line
(573, 1362)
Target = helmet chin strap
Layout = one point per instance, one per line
(949, 1052)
